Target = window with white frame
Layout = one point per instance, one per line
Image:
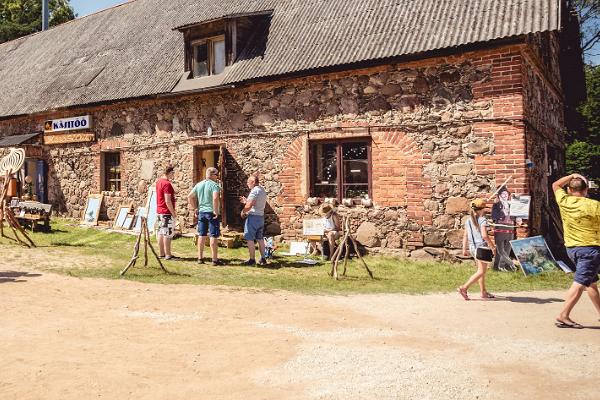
(209, 56)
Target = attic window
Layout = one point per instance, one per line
(209, 56)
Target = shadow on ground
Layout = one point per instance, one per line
(16, 276)
(521, 299)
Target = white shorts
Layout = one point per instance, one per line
(166, 226)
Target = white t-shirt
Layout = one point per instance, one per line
(259, 195)
(475, 234)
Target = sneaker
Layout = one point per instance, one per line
(171, 257)
(217, 262)
(262, 261)
(249, 263)
(200, 261)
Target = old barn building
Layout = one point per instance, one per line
(418, 105)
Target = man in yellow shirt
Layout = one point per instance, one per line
(581, 225)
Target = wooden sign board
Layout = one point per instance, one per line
(313, 227)
(69, 138)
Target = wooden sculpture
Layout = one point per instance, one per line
(9, 165)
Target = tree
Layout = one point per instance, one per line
(591, 108)
(23, 17)
(589, 19)
(584, 158)
(583, 154)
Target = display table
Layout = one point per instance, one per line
(33, 214)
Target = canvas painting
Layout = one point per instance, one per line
(519, 206)
(141, 212)
(151, 213)
(121, 216)
(313, 227)
(92, 209)
(128, 221)
(534, 255)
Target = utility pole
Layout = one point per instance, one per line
(45, 15)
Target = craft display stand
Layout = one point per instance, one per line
(345, 243)
(145, 233)
(8, 166)
(33, 214)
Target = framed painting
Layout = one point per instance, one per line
(151, 212)
(141, 212)
(122, 214)
(92, 209)
(128, 222)
(534, 255)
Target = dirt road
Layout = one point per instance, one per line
(68, 338)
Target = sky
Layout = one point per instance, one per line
(85, 7)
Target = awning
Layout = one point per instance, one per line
(15, 140)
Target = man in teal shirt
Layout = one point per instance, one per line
(204, 202)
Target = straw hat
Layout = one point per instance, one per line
(478, 204)
(325, 209)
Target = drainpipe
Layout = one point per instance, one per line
(45, 15)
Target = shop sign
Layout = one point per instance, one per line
(69, 138)
(67, 124)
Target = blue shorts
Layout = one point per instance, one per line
(208, 225)
(253, 228)
(587, 264)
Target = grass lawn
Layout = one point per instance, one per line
(103, 254)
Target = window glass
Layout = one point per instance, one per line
(325, 174)
(219, 56)
(356, 170)
(353, 179)
(200, 60)
(112, 171)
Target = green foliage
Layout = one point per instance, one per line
(591, 108)
(23, 17)
(583, 153)
(584, 158)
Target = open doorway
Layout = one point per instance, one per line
(212, 156)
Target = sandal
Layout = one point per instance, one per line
(463, 293)
(487, 295)
(563, 324)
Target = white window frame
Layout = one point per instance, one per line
(210, 56)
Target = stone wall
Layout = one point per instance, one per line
(545, 118)
(443, 131)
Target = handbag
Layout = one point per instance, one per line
(482, 253)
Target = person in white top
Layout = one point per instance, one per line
(332, 226)
(476, 236)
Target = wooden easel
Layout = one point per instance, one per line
(345, 243)
(9, 165)
(145, 233)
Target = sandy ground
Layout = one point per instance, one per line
(68, 338)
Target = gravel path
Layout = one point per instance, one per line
(68, 338)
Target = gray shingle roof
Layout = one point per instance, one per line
(133, 50)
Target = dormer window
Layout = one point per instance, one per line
(212, 47)
(209, 56)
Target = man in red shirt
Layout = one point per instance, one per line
(165, 208)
